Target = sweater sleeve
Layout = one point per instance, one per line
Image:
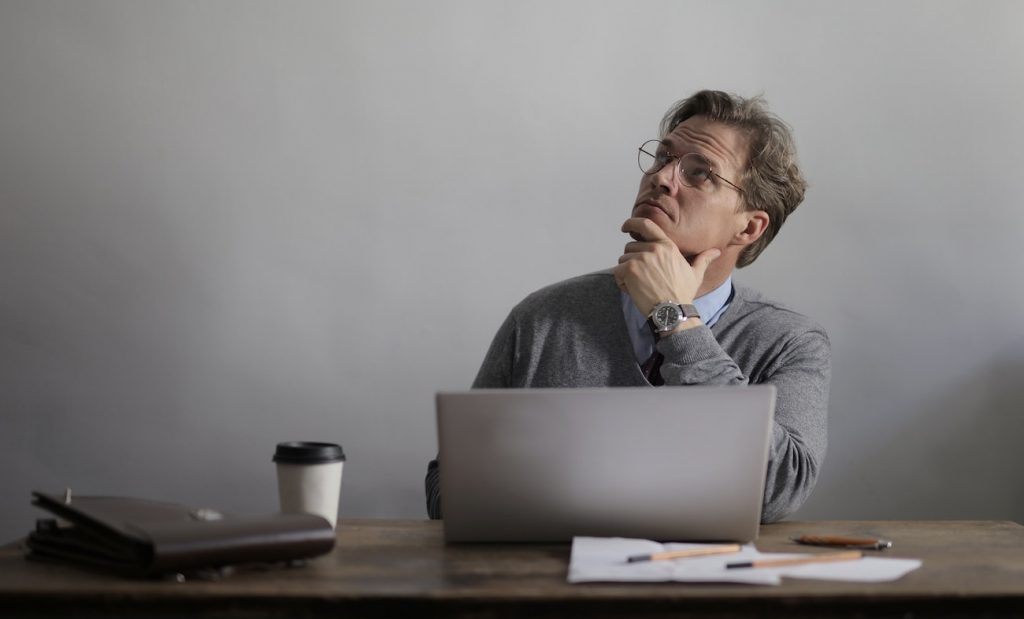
(694, 357)
(799, 438)
(800, 371)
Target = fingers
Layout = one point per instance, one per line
(652, 268)
(638, 246)
(649, 237)
(620, 279)
(637, 251)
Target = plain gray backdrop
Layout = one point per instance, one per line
(225, 224)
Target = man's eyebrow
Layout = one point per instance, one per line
(716, 163)
(674, 149)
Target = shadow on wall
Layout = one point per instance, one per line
(963, 457)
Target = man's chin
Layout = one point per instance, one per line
(651, 213)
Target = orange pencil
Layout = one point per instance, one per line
(682, 554)
(822, 558)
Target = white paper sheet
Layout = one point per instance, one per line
(604, 559)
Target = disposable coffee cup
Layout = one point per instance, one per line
(309, 478)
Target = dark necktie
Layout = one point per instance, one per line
(652, 369)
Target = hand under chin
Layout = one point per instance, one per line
(689, 257)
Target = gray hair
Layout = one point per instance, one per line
(772, 181)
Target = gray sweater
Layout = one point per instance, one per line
(573, 334)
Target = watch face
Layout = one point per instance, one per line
(666, 316)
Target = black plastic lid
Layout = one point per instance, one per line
(308, 453)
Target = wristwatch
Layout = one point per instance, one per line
(667, 315)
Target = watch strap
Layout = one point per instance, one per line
(687, 311)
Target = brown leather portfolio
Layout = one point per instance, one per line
(153, 538)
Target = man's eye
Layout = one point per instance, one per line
(697, 173)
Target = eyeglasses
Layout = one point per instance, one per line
(693, 169)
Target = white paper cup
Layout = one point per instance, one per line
(309, 478)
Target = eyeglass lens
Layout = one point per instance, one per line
(693, 169)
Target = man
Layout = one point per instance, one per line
(715, 190)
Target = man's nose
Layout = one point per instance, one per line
(666, 178)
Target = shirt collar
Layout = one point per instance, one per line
(713, 303)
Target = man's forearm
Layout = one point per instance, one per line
(801, 377)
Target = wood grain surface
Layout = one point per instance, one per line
(392, 568)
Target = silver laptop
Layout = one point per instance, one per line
(665, 463)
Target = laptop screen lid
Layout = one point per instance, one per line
(665, 463)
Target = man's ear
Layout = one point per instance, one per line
(757, 223)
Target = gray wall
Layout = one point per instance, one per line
(227, 224)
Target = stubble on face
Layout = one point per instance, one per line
(695, 218)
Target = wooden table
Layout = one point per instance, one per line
(397, 568)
